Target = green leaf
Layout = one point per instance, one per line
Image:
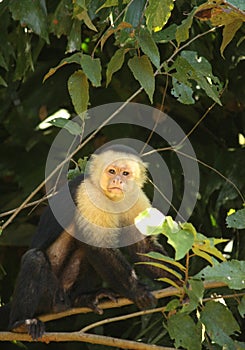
(82, 14)
(133, 14)
(241, 307)
(230, 272)
(195, 294)
(219, 323)
(148, 46)
(115, 64)
(236, 220)
(61, 21)
(238, 3)
(92, 69)
(182, 31)
(76, 58)
(190, 67)
(79, 91)
(157, 13)
(74, 37)
(143, 72)
(165, 35)
(183, 92)
(3, 82)
(181, 240)
(3, 63)
(32, 14)
(185, 332)
(69, 125)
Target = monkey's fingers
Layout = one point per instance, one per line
(105, 293)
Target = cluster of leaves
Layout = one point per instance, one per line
(192, 313)
(106, 51)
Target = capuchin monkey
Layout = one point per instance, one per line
(66, 267)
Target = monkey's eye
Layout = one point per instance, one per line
(125, 173)
(112, 171)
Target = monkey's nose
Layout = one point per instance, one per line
(117, 180)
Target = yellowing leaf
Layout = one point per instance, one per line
(182, 31)
(76, 58)
(143, 72)
(158, 13)
(109, 32)
(229, 32)
(83, 16)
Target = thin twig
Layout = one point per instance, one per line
(39, 187)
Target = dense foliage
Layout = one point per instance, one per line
(185, 58)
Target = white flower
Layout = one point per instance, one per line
(149, 221)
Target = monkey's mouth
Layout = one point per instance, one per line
(115, 189)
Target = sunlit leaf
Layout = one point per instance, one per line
(181, 241)
(92, 69)
(157, 13)
(162, 267)
(79, 91)
(143, 72)
(168, 281)
(230, 272)
(203, 255)
(161, 257)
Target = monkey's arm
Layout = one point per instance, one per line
(112, 266)
(148, 244)
(49, 228)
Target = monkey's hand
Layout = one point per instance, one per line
(92, 300)
(144, 299)
(33, 326)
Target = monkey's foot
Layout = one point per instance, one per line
(33, 326)
(145, 299)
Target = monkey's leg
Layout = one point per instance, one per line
(112, 266)
(35, 291)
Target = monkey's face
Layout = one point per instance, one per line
(117, 179)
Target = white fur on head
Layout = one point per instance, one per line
(99, 162)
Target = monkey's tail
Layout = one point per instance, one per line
(4, 317)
